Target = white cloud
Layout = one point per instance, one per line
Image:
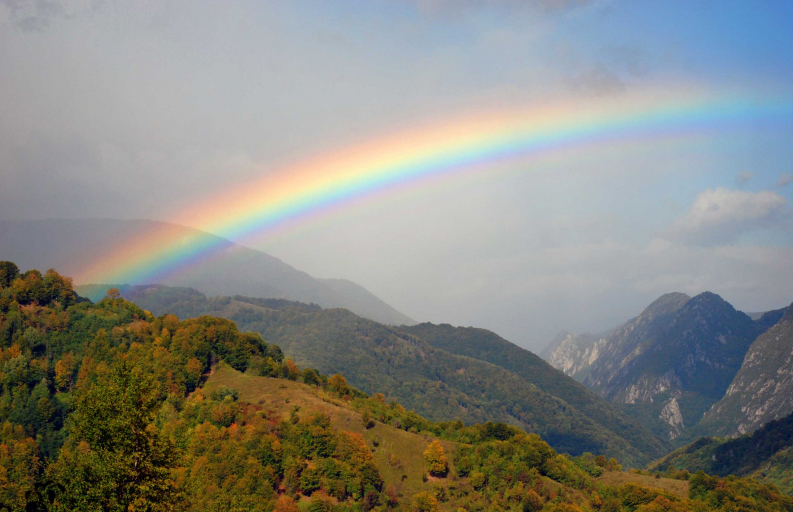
(720, 216)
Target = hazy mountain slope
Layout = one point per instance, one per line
(69, 243)
(557, 340)
(363, 303)
(762, 390)
(766, 454)
(378, 358)
(671, 363)
(699, 351)
(575, 354)
(488, 346)
(630, 340)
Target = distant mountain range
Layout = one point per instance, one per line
(671, 364)
(67, 244)
(440, 371)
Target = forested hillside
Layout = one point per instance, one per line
(107, 407)
(433, 382)
(487, 346)
(766, 454)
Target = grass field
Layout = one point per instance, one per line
(676, 487)
(398, 454)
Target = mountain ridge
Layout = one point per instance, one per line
(69, 243)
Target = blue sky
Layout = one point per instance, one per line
(102, 98)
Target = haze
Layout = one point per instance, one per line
(141, 109)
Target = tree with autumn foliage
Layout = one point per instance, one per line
(437, 465)
(338, 384)
(116, 459)
(424, 502)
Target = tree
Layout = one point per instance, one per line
(64, 371)
(366, 419)
(436, 459)
(285, 504)
(116, 460)
(532, 502)
(8, 273)
(338, 384)
(424, 502)
(113, 294)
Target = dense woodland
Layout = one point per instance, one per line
(766, 454)
(106, 407)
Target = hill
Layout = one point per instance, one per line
(487, 346)
(762, 390)
(69, 244)
(766, 454)
(105, 407)
(435, 383)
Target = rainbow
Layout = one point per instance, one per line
(478, 143)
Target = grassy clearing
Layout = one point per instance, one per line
(397, 453)
(676, 487)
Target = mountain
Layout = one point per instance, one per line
(107, 407)
(438, 384)
(762, 390)
(574, 355)
(766, 454)
(554, 344)
(487, 346)
(669, 364)
(68, 244)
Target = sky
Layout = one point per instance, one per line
(144, 109)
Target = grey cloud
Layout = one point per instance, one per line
(720, 216)
(629, 58)
(743, 177)
(784, 180)
(599, 80)
(33, 14)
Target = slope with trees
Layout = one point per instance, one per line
(487, 346)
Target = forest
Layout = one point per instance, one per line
(107, 407)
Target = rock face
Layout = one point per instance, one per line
(762, 390)
(671, 415)
(671, 363)
(576, 354)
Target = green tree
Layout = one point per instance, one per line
(117, 460)
(8, 272)
(424, 502)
